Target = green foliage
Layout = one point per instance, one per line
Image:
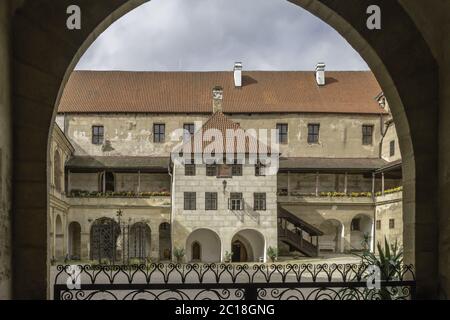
(179, 254)
(272, 253)
(389, 260)
(228, 256)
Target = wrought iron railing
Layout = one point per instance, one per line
(229, 282)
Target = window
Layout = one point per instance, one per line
(367, 134)
(391, 223)
(189, 129)
(211, 170)
(259, 201)
(355, 226)
(211, 201)
(313, 133)
(159, 132)
(378, 224)
(235, 202)
(236, 169)
(392, 148)
(282, 133)
(189, 169)
(190, 201)
(97, 134)
(260, 170)
(225, 171)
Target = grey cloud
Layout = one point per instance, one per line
(171, 35)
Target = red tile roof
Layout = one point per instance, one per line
(234, 138)
(191, 92)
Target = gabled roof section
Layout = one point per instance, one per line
(235, 140)
(190, 92)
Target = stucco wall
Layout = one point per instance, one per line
(389, 207)
(5, 153)
(131, 134)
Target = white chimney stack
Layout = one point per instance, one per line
(320, 74)
(238, 74)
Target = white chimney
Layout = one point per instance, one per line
(320, 74)
(238, 74)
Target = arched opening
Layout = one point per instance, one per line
(57, 171)
(248, 246)
(74, 241)
(59, 238)
(103, 240)
(207, 245)
(400, 76)
(333, 238)
(196, 251)
(361, 233)
(165, 241)
(139, 241)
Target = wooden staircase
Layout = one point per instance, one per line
(296, 240)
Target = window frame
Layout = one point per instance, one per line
(391, 223)
(236, 201)
(392, 148)
(190, 201)
(259, 170)
(211, 170)
(259, 201)
(189, 170)
(187, 127)
(97, 137)
(282, 135)
(313, 137)
(366, 136)
(160, 135)
(211, 202)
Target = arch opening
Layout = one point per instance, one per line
(203, 245)
(248, 246)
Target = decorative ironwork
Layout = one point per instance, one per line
(230, 282)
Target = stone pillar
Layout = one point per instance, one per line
(85, 245)
(382, 183)
(345, 182)
(317, 184)
(154, 244)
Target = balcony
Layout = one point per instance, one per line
(327, 198)
(143, 199)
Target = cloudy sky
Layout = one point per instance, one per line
(202, 35)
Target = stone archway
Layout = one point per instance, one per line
(333, 237)
(45, 53)
(251, 246)
(203, 245)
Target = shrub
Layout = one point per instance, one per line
(179, 254)
(228, 256)
(272, 253)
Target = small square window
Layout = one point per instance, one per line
(211, 170)
(211, 201)
(189, 129)
(159, 132)
(367, 134)
(259, 201)
(236, 169)
(236, 202)
(97, 134)
(282, 129)
(355, 226)
(260, 170)
(313, 133)
(378, 224)
(391, 223)
(392, 148)
(190, 201)
(189, 169)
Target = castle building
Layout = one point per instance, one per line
(122, 182)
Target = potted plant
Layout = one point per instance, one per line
(228, 257)
(389, 260)
(179, 254)
(272, 253)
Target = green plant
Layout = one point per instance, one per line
(272, 253)
(179, 254)
(389, 260)
(228, 256)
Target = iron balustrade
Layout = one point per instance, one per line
(158, 281)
